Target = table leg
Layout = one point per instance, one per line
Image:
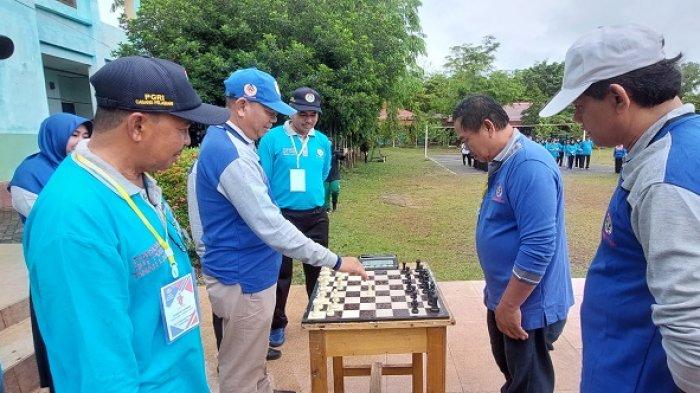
(437, 353)
(317, 360)
(417, 364)
(338, 375)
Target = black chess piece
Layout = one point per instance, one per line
(414, 306)
(410, 289)
(418, 265)
(434, 308)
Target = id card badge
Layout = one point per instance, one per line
(180, 308)
(297, 180)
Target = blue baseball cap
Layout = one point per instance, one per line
(149, 84)
(257, 86)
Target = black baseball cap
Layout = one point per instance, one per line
(149, 84)
(306, 99)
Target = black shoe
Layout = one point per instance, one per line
(273, 354)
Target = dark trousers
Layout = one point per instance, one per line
(560, 158)
(314, 224)
(526, 364)
(42, 357)
(569, 161)
(618, 165)
(465, 158)
(586, 161)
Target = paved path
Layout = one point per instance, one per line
(470, 365)
(453, 163)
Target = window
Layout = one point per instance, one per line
(70, 3)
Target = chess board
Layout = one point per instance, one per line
(382, 297)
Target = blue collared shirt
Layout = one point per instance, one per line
(521, 232)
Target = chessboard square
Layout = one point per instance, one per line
(403, 305)
(352, 294)
(354, 279)
(368, 299)
(381, 282)
(397, 292)
(351, 306)
(394, 276)
(383, 293)
(421, 312)
(396, 287)
(347, 314)
(352, 300)
(385, 313)
(399, 298)
(381, 306)
(383, 299)
(368, 306)
(402, 313)
(368, 315)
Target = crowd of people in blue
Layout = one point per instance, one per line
(112, 285)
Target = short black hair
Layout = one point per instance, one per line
(647, 86)
(474, 109)
(108, 118)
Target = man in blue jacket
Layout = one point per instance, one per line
(243, 231)
(109, 272)
(521, 244)
(640, 316)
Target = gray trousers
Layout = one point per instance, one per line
(246, 327)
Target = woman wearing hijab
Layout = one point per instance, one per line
(58, 136)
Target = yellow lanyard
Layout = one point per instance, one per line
(125, 196)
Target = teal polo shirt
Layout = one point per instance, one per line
(95, 275)
(278, 156)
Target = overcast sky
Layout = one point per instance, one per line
(536, 30)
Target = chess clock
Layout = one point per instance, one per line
(379, 261)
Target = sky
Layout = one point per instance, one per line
(536, 30)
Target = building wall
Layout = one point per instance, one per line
(73, 36)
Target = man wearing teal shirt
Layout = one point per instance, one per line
(107, 261)
(586, 151)
(297, 159)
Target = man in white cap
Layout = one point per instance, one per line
(640, 315)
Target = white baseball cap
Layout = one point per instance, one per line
(604, 53)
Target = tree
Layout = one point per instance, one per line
(472, 59)
(354, 52)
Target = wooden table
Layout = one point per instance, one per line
(416, 337)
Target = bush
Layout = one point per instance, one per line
(173, 181)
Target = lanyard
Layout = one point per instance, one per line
(298, 154)
(125, 196)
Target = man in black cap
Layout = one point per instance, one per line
(109, 271)
(297, 159)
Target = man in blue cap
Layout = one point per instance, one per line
(296, 158)
(640, 316)
(243, 231)
(109, 272)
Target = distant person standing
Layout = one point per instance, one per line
(465, 155)
(619, 154)
(586, 151)
(570, 150)
(332, 183)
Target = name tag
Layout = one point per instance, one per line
(180, 308)
(297, 180)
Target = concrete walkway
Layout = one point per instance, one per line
(470, 365)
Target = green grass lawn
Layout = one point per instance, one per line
(413, 208)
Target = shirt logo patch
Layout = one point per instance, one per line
(250, 90)
(148, 261)
(608, 230)
(498, 194)
(319, 152)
